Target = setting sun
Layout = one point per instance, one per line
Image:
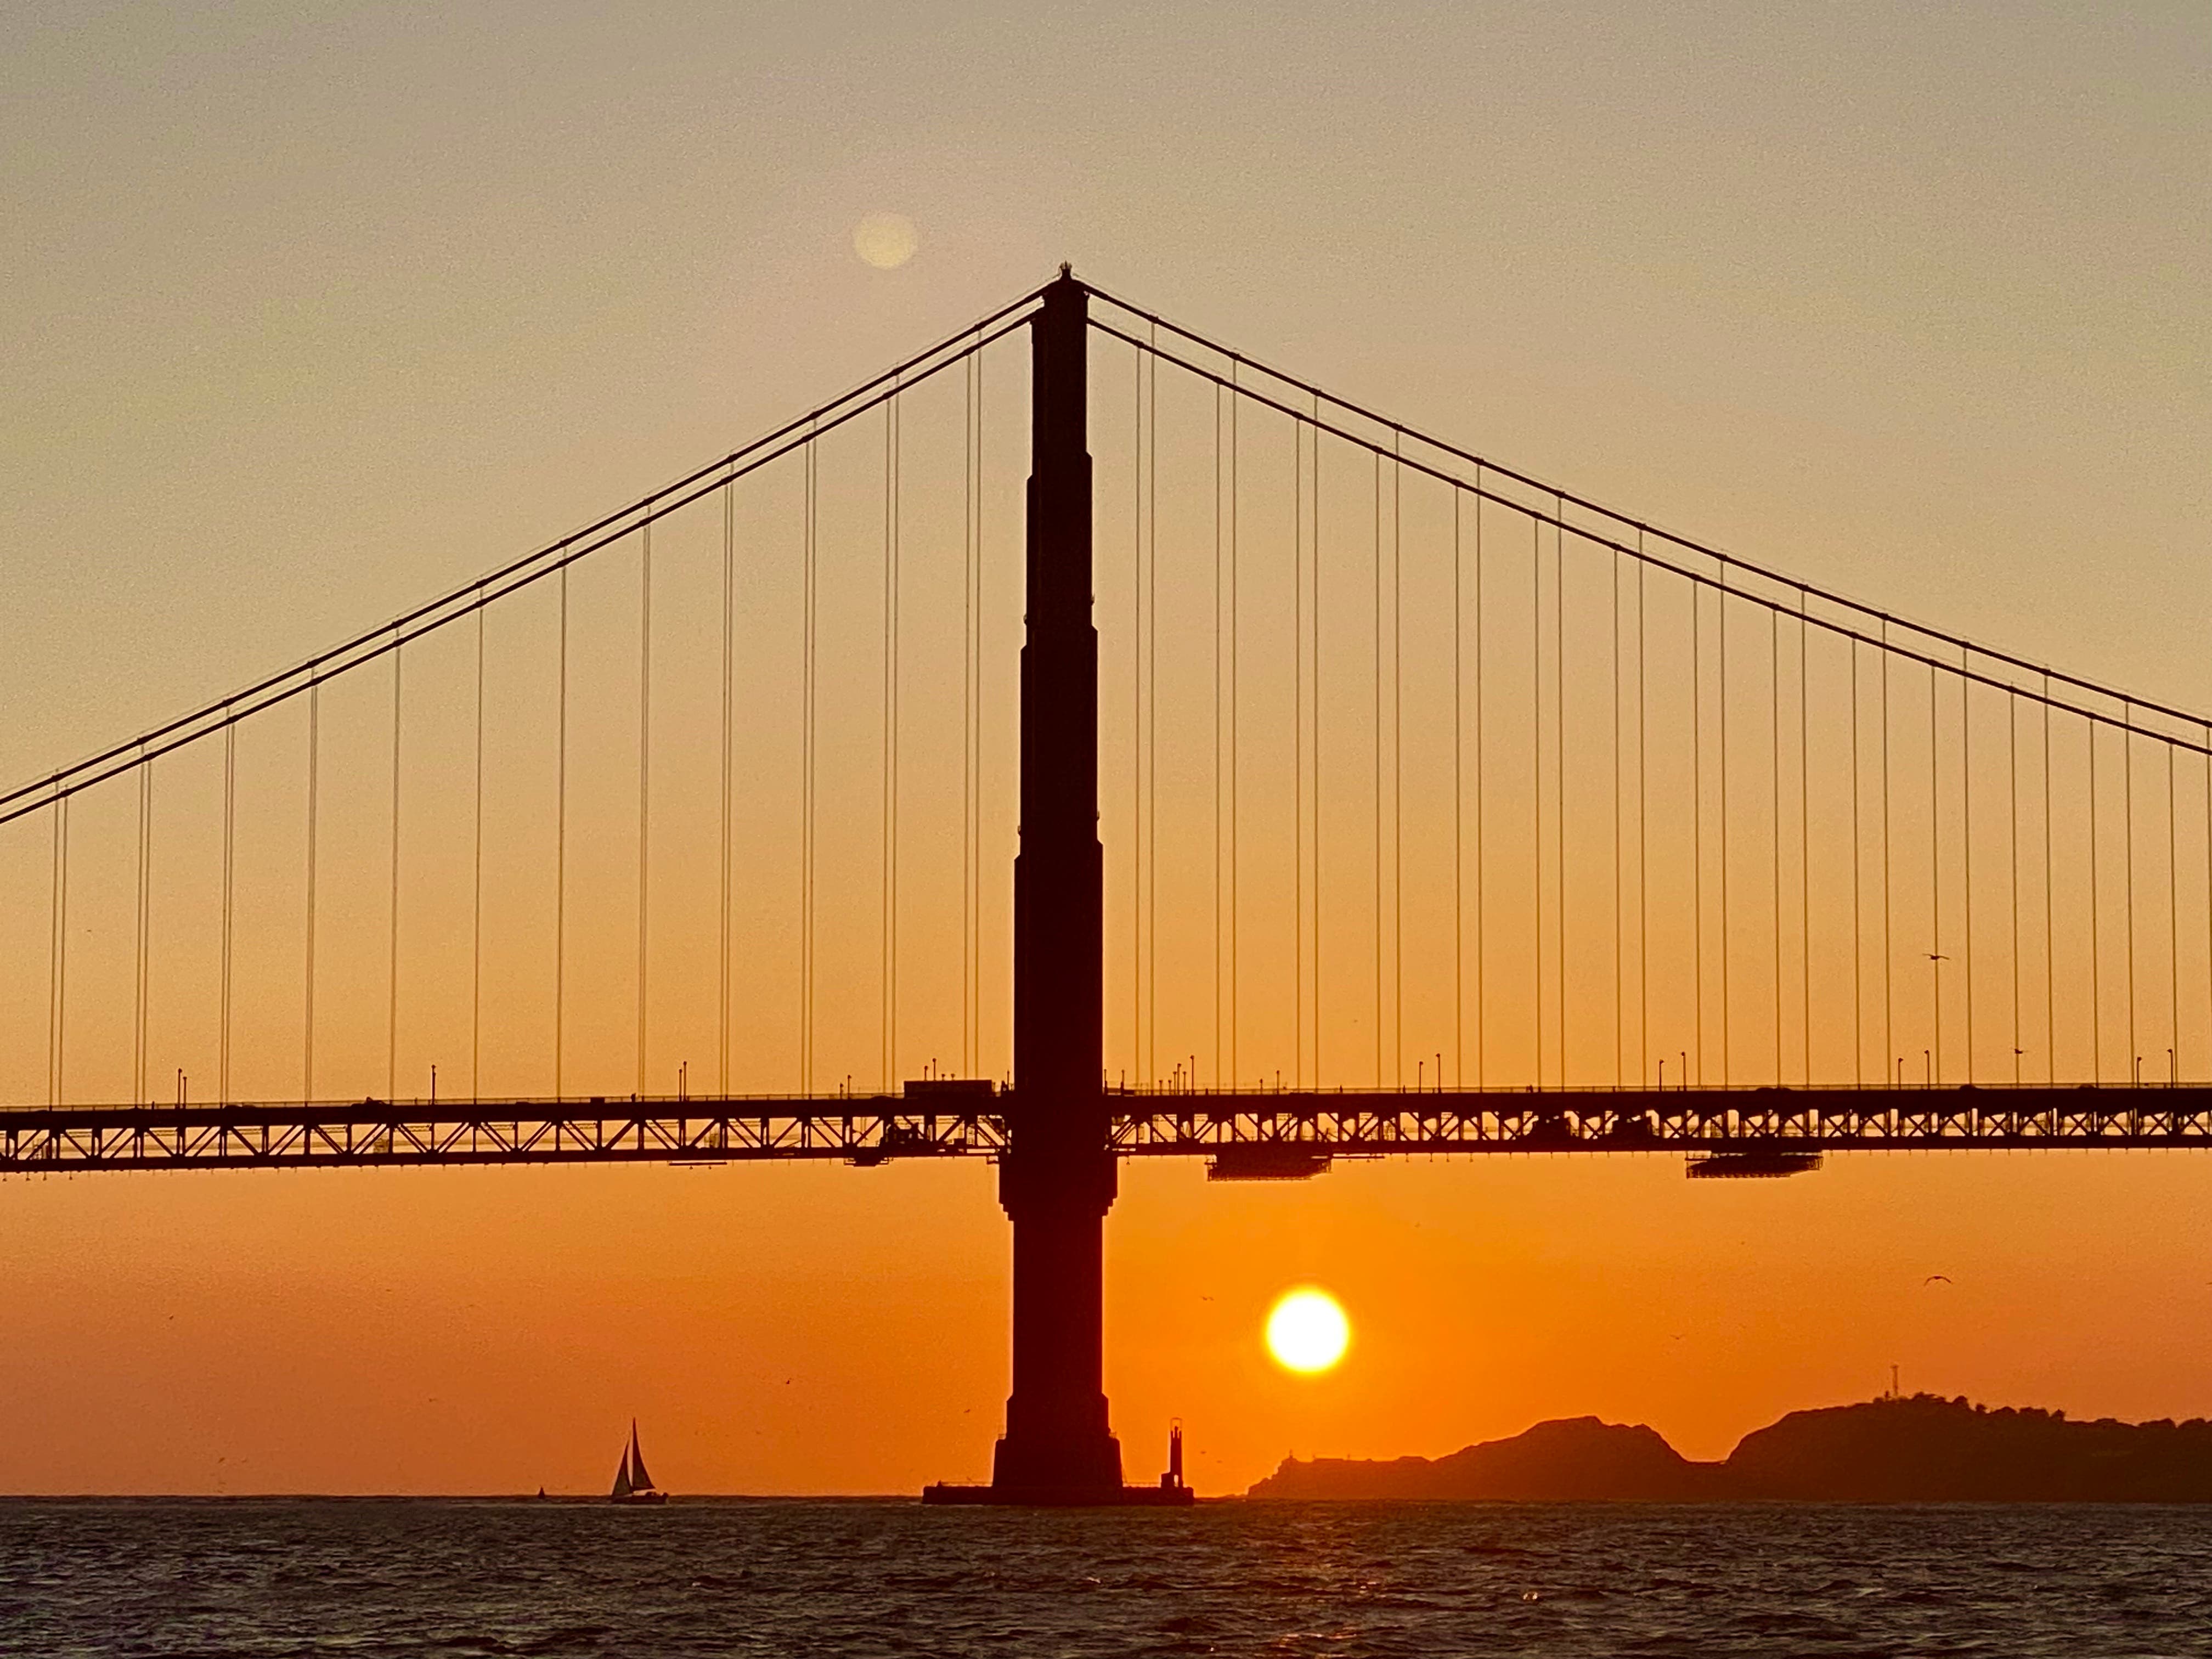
(1307, 1331)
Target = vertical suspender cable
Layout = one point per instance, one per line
(968, 1064)
(141, 976)
(1314, 694)
(1858, 907)
(729, 641)
(1217, 964)
(1642, 886)
(811, 606)
(57, 957)
(1697, 824)
(476, 926)
(2049, 925)
(2172, 933)
(1726, 1049)
(1559, 754)
(2096, 950)
(315, 837)
(1935, 879)
(1234, 666)
(2128, 871)
(888, 1034)
(1151, 364)
(975, 787)
(2011, 795)
(1620, 940)
(561, 847)
(1136, 732)
(884, 783)
(1481, 1005)
(1377, 728)
(1536, 782)
(1774, 734)
(1804, 843)
(1397, 764)
(1397, 768)
(1888, 953)
(1298, 754)
(1967, 844)
(229, 892)
(1459, 835)
(644, 782)
(889, 910)
(392, 950)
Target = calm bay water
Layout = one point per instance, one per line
(247, 1578)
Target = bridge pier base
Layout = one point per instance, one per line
(1059, 1450)
(1057, 1438)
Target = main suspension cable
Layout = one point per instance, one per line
(373, 641)
(1717, 578)
(426, 620)
(1688, 545)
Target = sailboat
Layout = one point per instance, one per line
(632, 1484)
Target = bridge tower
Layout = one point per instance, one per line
(1057, 1179)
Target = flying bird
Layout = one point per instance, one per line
(1932, 1278)
(1937, 956)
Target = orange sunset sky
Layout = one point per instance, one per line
(319, 312)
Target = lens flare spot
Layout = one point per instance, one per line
(1307, 1331)
(885, 241)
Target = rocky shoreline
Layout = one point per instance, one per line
(1914, 1448)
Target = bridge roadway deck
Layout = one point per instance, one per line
(1251, 1133)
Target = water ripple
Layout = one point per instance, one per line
(285, 1579)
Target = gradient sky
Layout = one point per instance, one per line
(316, 311)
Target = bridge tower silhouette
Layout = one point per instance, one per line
(1057, 1179)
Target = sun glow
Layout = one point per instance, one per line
(1307, 1330)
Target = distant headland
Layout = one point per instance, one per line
(1920, 1448)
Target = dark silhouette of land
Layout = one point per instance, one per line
(1917, 1449)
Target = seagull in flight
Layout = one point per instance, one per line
(1933, 1278)
(1937, 956)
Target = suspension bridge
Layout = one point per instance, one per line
(1362, 796)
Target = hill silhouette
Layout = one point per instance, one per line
(1916, 1449)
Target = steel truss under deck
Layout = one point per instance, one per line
(1248, 1133)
